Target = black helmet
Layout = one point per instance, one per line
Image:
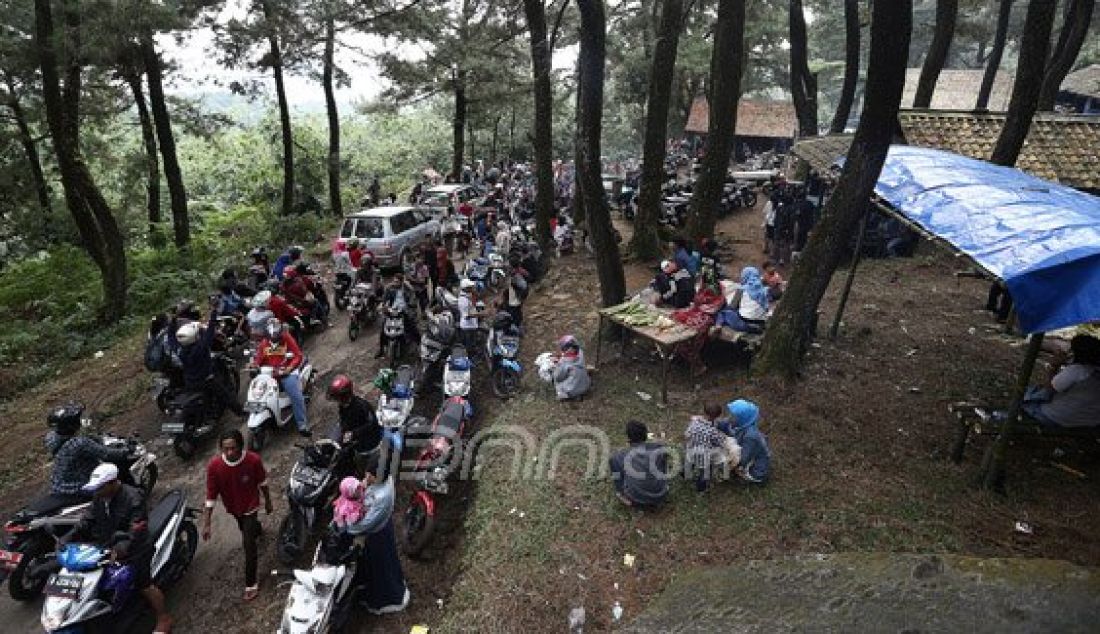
(502, 321)
(186, 309)
(259, 253)
(65, 419)
(295, 252)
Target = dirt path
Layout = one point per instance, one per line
(208, 597)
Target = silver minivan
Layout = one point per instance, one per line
(391, 234)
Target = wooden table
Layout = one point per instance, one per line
(664, 340)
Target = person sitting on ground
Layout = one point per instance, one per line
(752, 298)
(571, 378)
(640, 472)
(755, 463)
(773, 280)
(706, 452)
(1072, 397)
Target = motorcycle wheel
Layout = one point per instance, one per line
(353, 329)
(395, 353)
(418, 529)
(20, 587)
(256, 439)
(183, 553)
(505, 382)
(292, 533)
(184, 447)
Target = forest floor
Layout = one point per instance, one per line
(859, 448)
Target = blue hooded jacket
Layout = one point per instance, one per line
(755, 455)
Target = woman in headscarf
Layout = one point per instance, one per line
(755, 464)
(367, 508)
(752, 306)
(571, 378)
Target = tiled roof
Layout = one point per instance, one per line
(1084, 82)
(1060, 148)
(958, 89)
(755, 118)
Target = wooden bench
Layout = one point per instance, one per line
(983, 421)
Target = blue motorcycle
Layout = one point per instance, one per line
(502, 350)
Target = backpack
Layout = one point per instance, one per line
(156, 357)
(522, 288)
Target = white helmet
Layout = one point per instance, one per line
(188, 333)
(466, 284)
(259, 300)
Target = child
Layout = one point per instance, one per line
(773, 280)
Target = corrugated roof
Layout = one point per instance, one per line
(755, 118)
(1084, 82)
(1060, 148)
(958, 89)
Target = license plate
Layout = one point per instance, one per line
(309, 475)
(9, 559)
(64, 586)
(171, 428)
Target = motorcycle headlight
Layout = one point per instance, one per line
(51, 622)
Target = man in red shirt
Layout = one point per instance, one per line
(238, 477)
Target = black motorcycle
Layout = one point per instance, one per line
(193, 416)
(396, 334)
(340, 288)
(313, 484)
(434, 342)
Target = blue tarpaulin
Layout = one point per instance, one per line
(1041, 238)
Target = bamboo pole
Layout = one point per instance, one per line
(993, 466)
(851, 276)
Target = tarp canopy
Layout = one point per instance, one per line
(1042, 239)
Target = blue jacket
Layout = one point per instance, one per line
(755, 454)
(281, 263)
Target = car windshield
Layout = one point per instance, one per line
(365, 228)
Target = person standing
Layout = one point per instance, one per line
(238, 477)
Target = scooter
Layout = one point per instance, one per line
(362, 308)
(28, 541)
(91, 593)
(505, 371)
(309, 492)
(498, 272)
(322, 598)
(340, 287)
(395, 407)
(437, 460)
(438, 335)
(457, 379)
(394, 329)
(269, 406)
(193, 416)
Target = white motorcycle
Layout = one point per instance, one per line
(396, 407)
(269, 405)
(456, 373)
(321, 599)
(92, 594)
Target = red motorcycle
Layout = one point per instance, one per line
(440, 456)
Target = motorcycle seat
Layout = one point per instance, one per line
(188, 400)
(51, 503)
(164, 510)
(450, 418)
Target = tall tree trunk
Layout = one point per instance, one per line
(177, 194)
(541, 64)
(579, 216)
(458, 125)
(791, 327)
(93, 218)
(609, 265)
(1029, 77)
(803, 83)
(512, 136)
(334, 200)
(851, 67)
(993, 64)
(1072, 36)
(276, 61)
(152, 161)
(947, 13)
(646, 244)
(726, 62)
(34, 161)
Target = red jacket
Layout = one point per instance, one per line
(285, 355)
(237, 485)
(282, 309)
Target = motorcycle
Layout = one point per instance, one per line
(437, 337)
(498, 270)
(505, 371)
(362, 308)
(477, 271)
(674, 210)
(341, 285)
(193, 416)
(395, 407)
(457, 379)
(563, 238)
(91, 593)
(309, 492)
(28, 536)
(268, 406)
(394, 329)
(322, 598)
(437, 460)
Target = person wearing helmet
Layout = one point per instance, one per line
(74, 456)
(287, 259)
(258, 316)
(468, 314)
(571, 378)
(198, 364)
(310, 282)
(286, 313)
(399, 296)
(280, 351)
(358, 424)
